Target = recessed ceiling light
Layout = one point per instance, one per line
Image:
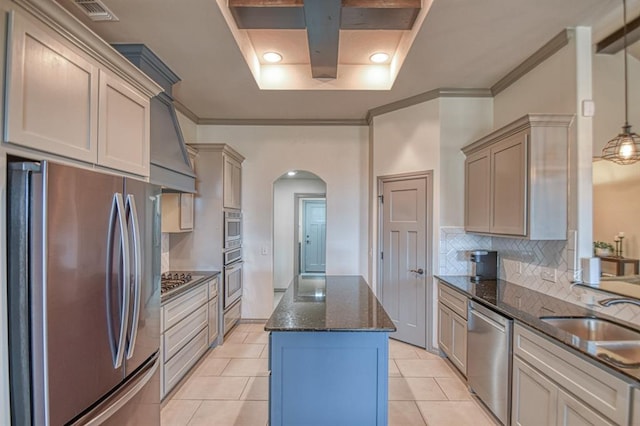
(379, 58)
(291, 173)
(272, 57)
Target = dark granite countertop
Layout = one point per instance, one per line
(527, 306)
(204, 276)
(331, 303)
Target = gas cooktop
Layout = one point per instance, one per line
(171, 281)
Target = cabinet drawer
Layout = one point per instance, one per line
(179, 308)
(179, 335)
(597, 388)
(456, 301)
(213, 288)
(231, 317)
(180, 364)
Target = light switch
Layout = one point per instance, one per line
(588, 108)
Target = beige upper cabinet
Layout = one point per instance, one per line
(61, 101)
(516, 179)
(52, 93)
(232, 190)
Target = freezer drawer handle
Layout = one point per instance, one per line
(118, 212)
(137, 254)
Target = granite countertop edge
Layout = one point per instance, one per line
(526, 316)
(293, 316)
(206, 276)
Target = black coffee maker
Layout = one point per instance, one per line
(484, 265)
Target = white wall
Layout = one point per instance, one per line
(338, 155)
(284, 191)
(608, 95)
(428, 136)
(189, 128)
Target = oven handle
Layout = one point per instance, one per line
(233, 266)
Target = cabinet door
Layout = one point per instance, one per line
(509, 186)
(477, 192)
(123, 137)
(459, 343)
(51, 93)
(232, 183)
(534, 397)
(213, 320)
(186, 212)
(444, 328)
(572, 412)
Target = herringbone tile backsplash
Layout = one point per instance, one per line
(525, 262)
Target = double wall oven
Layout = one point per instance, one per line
(232, 255)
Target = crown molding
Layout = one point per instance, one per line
(282, 122)
(538, 57)
(425, 97)
(186, 111)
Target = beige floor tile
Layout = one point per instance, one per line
(399, 352)
(393, 369)
(236, 337)
(454, 388)
(415, 389)
(404, 413)
(422, 354)
(241, 328)
(250, 327)
(178, 412)
(265, 352)
(424, 368)
(459, 413)
(260, 337)
(247, 367)
(231, 413)
(212, 387)
(257, 389)
(211, 366)
(237, 350)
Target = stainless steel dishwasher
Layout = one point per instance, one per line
(489, 359)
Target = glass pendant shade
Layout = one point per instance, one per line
(624, 148)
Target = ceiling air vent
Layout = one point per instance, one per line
(96, 10)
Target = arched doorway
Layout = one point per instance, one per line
(299, 227)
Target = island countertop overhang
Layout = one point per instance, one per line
(329, 303)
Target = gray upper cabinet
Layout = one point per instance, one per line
(232, 181)
(516, 179)
(68, 102)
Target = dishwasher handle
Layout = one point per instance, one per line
(488, 315)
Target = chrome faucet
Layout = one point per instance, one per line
(615, 300)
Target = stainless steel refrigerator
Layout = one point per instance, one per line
(84, 296)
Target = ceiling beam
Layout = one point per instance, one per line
(323, 33)
(614, 42)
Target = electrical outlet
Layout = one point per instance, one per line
(548, 274)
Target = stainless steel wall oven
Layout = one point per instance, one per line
(232, 229)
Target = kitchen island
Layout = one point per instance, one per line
(328, 354)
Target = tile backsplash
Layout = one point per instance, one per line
(164, 250)
(549, 267)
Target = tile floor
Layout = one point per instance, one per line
(229, 387)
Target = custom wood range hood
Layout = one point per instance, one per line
(170, 166)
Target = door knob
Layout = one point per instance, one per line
(417, 271)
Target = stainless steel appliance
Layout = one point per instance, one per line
(84, 296)
(484, 265)
(489, 359)
(170, 282)
(232, 229)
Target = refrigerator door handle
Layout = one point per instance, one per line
(137, 286)
(118, 212)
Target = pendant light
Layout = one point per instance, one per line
(624, 148)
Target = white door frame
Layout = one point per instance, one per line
(429, 308)
(297, 197)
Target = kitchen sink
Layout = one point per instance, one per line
(594, 329)
(620, 354)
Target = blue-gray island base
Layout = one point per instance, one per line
(328, 354)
